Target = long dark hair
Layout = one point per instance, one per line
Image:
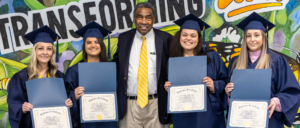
(176, 49)
(102, 54)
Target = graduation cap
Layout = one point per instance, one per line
(44, 34)
(255, 21)
(193, 22)
(93, 29)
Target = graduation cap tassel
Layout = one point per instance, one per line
(108, 47)
(203, 36)
(267, 38)
(57, 47)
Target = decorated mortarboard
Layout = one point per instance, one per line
(193, 22)
(93, 29)
(44, 34)
(256, 22)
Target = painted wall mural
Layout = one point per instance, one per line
(18, 17)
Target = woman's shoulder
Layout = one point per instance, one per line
(72, 69)
(276, 58)
(213, 54)
(22, 72)
(59, 74)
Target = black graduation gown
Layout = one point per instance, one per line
(72, 83)
(17, 95)
(283, 86)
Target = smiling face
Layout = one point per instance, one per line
(254, 40)
(92, 46)
(189, 39)
(44, 52)
(144, 20)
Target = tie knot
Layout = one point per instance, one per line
(143, 37)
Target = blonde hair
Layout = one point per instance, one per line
(264, 60)
(32, 70)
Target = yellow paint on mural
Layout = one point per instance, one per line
(237, 49)
(252, 7)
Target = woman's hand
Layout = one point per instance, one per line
(79, 91)
(26, 107)
(229, 88)
(209, 83)
(167, 85)
(271, 108)
(69, 103)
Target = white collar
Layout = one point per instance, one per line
(149, 35)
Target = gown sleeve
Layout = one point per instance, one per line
(15, 100)
(220, 82)
(287, 90)
(71, 83)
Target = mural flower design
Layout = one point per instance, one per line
(228, 35)
(279, 39)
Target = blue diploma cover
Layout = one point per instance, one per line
(252, 89)
(47, 92)
(183, 72)
(98, 78)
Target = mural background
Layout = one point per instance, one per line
(223, 36)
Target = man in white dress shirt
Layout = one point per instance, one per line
(142, 58)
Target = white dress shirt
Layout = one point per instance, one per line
(134, 61)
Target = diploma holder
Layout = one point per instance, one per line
(98, 78)
(251, 85)
(47, 92)
(186, 71)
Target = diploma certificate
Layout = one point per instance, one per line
(187, 98)
(51, 117)
(98, 107)
(248, 114)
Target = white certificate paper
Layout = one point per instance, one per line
(98, 107)
(51, 117)
(248, 114)
(187, 98)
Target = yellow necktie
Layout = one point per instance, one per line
(142, 96)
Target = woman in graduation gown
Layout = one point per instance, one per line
(42, 64)
(255, 54)
(93, 50)
(188, 42)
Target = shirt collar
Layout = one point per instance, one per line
(149, 35)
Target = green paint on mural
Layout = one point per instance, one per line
(8, 124)
(2, 113)
(9, 67)
(213, 19)
(113, 46)
(26, 60)
(272, 31)
(62, 46)
(27, 50)
(34, 4)
(4, 9)
(76, 59)
(281, 17)
(207, 33)
(138, 1)
(294, 17)
(64, 2)
(3, 93)
(169, 28)
(3, 101)
(226, 40)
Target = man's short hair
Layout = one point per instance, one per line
(143, 5)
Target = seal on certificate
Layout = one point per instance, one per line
(186, 108)
(247, 124)
(99, 117)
